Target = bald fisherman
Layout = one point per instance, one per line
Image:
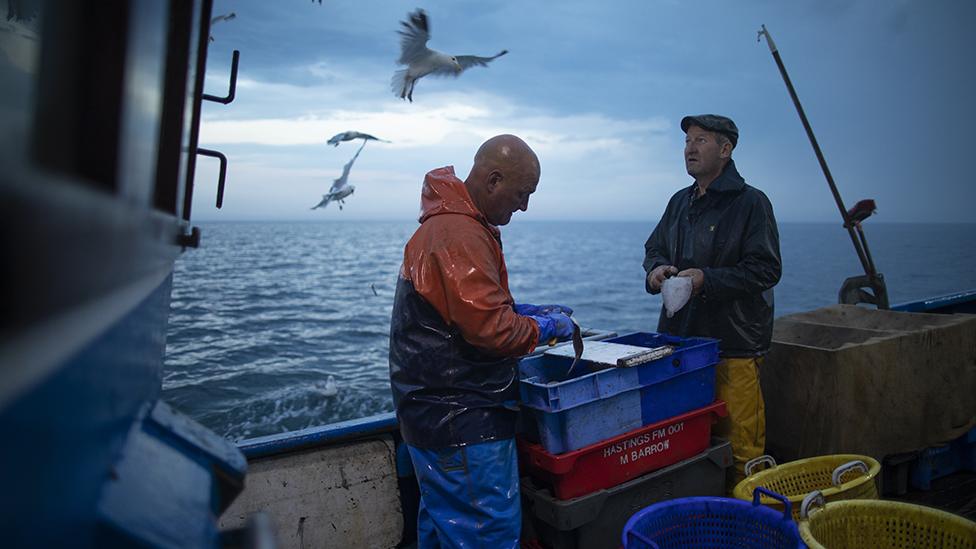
(455, 338)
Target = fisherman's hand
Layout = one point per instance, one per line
(660, 273)
(697, 279)
(554, 326)
(564, 325)
(526, 309)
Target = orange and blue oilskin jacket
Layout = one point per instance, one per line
(454, 338)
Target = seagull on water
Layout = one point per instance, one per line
(421, 60)
(350, 135)
(340, 187)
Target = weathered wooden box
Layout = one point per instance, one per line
(846, 379)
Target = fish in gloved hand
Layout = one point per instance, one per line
(555, 322)
(577, 346)
(565, 326)
(553, 326)
(676, 291)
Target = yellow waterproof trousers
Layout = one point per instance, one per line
(737, 383)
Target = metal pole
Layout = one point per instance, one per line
(868, 269)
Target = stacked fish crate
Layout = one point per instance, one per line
(626, 426)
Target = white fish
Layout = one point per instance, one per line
(421, 60)
(676, 292)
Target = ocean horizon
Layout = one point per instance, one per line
(265, 312)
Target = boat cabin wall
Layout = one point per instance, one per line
(93, 108)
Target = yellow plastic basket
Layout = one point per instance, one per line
(837, 477)
(867, 524)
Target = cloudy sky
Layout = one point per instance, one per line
(597, 89)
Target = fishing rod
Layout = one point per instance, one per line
(851, 291)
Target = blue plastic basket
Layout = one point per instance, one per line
(544, 385)
(939, 461)
(713, 522)
(576, 412)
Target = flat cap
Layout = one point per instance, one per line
(713, 123)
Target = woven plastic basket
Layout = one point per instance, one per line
(866, 524)
(837, 477)
(712, 522)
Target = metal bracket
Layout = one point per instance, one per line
(233, 82)
(225, 100)
(189, 240)
(769, 38)
(223, 172)
(852, 291)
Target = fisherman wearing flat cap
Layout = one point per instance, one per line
(720, 232)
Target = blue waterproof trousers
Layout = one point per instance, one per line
(469, 496)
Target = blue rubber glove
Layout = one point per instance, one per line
(554, 325)
(526, 309)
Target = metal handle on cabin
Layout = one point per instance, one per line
(225, 100)
(233, 82)
(849, 466)
(223, 172)
(752, 463)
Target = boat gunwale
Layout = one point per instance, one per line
(349, 430)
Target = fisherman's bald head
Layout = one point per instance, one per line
(505, 172)
(506, 152)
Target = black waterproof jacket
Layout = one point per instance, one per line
(730, 234)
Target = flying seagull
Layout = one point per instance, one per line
(422, 61)
(340, 188)
(338, 195)
(219, 18)
(349, 136)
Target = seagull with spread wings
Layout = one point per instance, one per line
(219, 18)
(350, 135)
(340, 187)
(421, 60)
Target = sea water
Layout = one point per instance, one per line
(264, 313)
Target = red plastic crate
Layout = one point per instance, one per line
(623, 457)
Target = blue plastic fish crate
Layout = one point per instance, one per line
(571, 413)
(939, 461)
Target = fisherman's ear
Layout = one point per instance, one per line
(494, 179)
(726, 150)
